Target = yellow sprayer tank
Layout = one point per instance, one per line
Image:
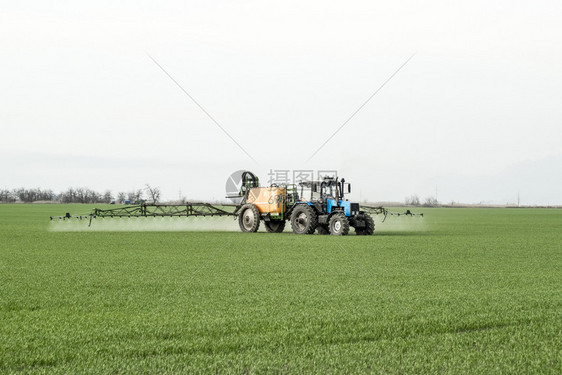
(268, 199)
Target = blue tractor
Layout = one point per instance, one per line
(327, 211)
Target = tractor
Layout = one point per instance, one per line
(309, 205)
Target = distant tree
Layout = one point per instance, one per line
(139, 195)
(7, 196)
(154, 193)
(431, 201)
(121, 196)
(131, 195)
(413, 200)
(47, 195)
(93, 197)
(81, 195)
(68, 196)
(107, 197)
(135, 196)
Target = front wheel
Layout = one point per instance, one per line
(249, 218)
(339, 225)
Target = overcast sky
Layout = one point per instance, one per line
(475, 115)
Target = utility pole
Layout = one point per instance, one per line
(518, 200)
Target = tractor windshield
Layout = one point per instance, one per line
(329, 189)
(320, 190)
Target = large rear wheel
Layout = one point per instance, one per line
(368, 229)
(274, 226)
(249, 218)
(303, 219)
(339, 225)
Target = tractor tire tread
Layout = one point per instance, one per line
(344, 224)
(369, 229)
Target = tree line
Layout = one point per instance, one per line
(414, 200)
(79, 195)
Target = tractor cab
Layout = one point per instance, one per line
(322, 190)
(331, 188)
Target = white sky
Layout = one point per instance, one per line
(475, 115)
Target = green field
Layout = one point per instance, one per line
(464, 291)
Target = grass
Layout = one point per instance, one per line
(468, 291)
